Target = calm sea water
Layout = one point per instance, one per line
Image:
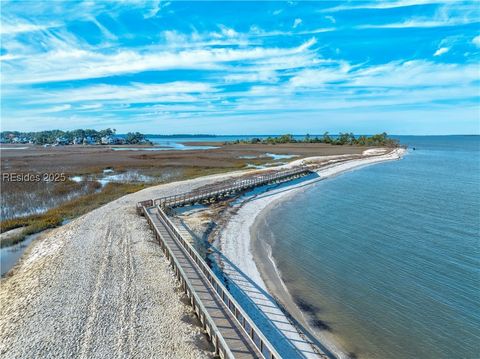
(388, 256)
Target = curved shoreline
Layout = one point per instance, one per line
(253, 256)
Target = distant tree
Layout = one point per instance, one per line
(107, 132)
(326, 138)
(134, 138)
(342, 139)
(362, 140)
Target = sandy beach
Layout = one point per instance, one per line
(100, 286)
(252, 257)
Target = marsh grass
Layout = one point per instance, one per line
(91, 197)
(68, 210)
(20, 199)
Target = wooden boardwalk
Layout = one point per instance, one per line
(218, 192)
(232, 332)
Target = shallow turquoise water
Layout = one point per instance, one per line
(387, 258)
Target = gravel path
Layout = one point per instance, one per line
(99, 287)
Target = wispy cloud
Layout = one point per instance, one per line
(129, 93)
(476, 41)
(441, 51)
(77, 63)
(157, 6)
(420, 23)
(21, 26)
(296, 22)
(446, 15)
(381, 4)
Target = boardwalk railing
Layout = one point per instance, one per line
(221, 347)
(246, 323)
(236, 186)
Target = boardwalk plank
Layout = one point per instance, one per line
(238, 341)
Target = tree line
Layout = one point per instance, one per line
(380, 139)
(88, 136)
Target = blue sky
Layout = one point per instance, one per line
(401, 66)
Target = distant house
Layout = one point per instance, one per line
(106, 140)
(119, 140)
(61, 141)
(88, 140)
(77, 140)
(112, 140)
(20, 140)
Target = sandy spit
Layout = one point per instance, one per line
(100, 287)
(255, 261)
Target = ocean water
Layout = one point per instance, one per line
(387, 258)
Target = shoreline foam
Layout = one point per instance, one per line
(248, 253)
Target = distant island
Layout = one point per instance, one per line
(75, 137)
(381, 139)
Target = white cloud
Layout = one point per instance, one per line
(476, 41)
(93, 106)
(14, 28)
(71, 63)
(447, 15)
(388, 4)
(132, 93)
(54, 109)
(315, 78)
(296, 23)
(8, 57)
(256, 32)
(409, 74)
(258, 76)
(228, 32)
(152, 12)
(415, 73)
(226, 37)
(418, 23)
(441, 51)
